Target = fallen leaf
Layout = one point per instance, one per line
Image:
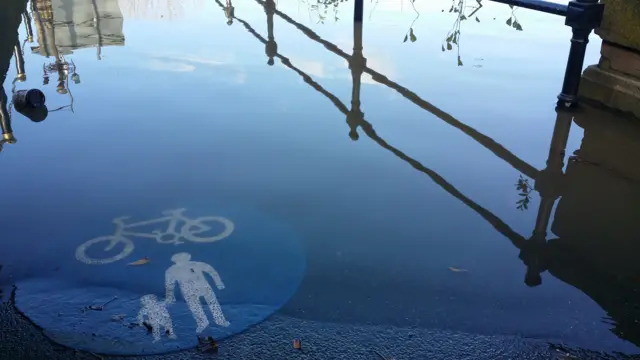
(118, 317)
(457, 269)
(297, 344)
(142, 261)
(207, 344)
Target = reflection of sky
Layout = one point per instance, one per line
(520, 70)
(195, 103)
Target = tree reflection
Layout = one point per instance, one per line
(513, 20)
(321, 9)
(524, 192)
(158, 9)
(465, 12)
(410, 35)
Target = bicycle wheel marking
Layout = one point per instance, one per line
(81, 251)
(229, 227)
(174, 217)
(212, 272)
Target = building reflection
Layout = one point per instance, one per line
(63, 26)
(67, 25)
(10, 18)
(595, 222)
(597, 193)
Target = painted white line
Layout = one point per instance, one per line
(189, 231)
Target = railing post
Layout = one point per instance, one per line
(357, 63)
(271, 47)
(358, 10)
(21, 74)
(549, 184)
(27, 22)
(583, 16)
(5, 120)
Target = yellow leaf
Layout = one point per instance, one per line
(457, 269)
(142, 261)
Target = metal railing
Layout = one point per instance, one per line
(583, 16)
(538, 5)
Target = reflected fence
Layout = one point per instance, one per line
(582, 15)
(538, 252)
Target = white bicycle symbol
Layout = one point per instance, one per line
(189, 230)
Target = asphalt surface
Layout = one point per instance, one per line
(272, 339)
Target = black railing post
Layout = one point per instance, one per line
(271, 47)
(27, 22)
(5, 121)
(357, 63)
(358, 10)
(583, 16)
(537, 5)
(21, 74)
(549, 184)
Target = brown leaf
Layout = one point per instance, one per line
(142, 261)
(297, 344)
(454, 269)
(207, 344)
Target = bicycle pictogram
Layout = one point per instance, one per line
(189, 231)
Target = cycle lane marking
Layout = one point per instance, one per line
(173, 217)
(250, 294)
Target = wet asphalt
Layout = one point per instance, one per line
(272, 339)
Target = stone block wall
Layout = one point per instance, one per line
(615, 81)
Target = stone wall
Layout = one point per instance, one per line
(615, 81)
(621, 23)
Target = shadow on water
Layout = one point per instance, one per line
(596, 196)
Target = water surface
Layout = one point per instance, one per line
(401, 154)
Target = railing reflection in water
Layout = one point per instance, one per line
(567, 258)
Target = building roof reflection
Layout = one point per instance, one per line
(67, 25)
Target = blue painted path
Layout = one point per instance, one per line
(259, 260)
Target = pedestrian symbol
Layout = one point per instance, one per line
(192, 283)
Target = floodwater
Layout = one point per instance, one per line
(408, 172)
